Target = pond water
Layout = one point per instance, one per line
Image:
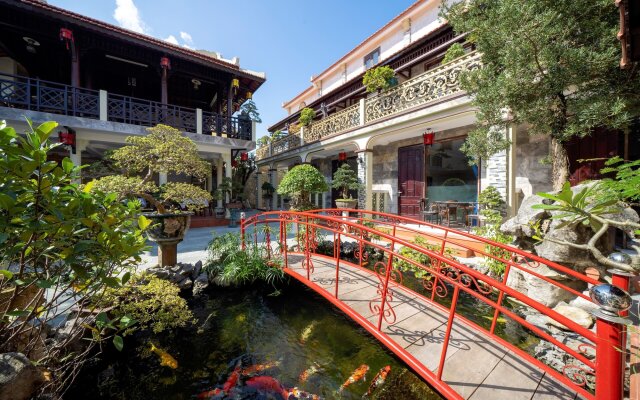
(275, 336)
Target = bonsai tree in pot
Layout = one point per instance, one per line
(345, 179)
(164, 150)
(299, 183)
(267, 194)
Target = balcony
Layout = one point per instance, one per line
(413, 94)
(56, 98)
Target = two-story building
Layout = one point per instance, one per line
(102, 83)
(405, 141)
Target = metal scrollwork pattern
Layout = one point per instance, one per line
(467, 280)
(287, 143)
(340, 121)
(523, 261)
(434, 284)
(375, 305)
(422, 89)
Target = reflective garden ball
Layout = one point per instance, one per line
(611, 298)
(622, 258)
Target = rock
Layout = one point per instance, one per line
(185, 284)
(541, 290)
(200, 284)
(187, 269)
(476, 263)
(584, 304)
(196, 270)
(19, 379)
(520, 225)
(575, 314)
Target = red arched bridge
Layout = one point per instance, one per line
(462, 330)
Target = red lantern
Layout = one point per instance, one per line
(165, 62)
(234, 163)
(244, 156)
(67, 138)
(428, 137)
(342, 156)
(66, 35)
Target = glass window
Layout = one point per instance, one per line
(372, 58)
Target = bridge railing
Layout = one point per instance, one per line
(379, 242)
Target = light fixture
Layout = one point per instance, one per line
(165, 62)
(125, 60)
(31, 44)
(428, 137)
(196, 83)
(342, 156)
(244, 156)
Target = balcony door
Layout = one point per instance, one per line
(410, 180)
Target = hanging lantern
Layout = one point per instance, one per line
(235, 83)
(342, 156)
(165, 62)
(67, 138)
(244, 156)
(66, 35)
(428, 137)
(234, 163)
(249, 95)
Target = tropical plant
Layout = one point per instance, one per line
(624, 186)
(491, 204)
(379, 78)
(163, 150)
(299, 183)
(307, 115)
(250, 109)
(153, 303)
(552, 65)
(456, 50)
(345, 179)
(61, 246)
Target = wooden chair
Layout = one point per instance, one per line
(429, 212)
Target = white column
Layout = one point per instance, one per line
(199, 121)
(253, 130)
(76, 158)
(272, 179)
(104, 105)
(365, 174)
(302, 136)
(219, 176)
(228, 170)
(258, 189)
(512, 200)
(210, 179)
(361, 107)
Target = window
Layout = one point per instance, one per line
(372, 58)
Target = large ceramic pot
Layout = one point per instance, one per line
(168, 230)
(346, 203)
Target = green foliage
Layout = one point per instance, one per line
(55, 236)
(418, 257)
(241, 173)
(492, 203)
(490, 199)
(625, 185)
(166, 150)
(267, 189)
(152, 302)
(263, 141)
(307, 116)
(553, 65)
(379, 78)
(278, 134)
(250, 109)
(456, 50)
(299, 183)
(229, 264)
(345, 179)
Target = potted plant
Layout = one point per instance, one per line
(379, 78)
(306, 116)
(163, 150)
(267, 194)
(345, 179)
(299, 183)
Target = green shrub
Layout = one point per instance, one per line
(492, 202)
(456, 50)
(152, 302)
(299, 183)
(307, 116)
(379, 78)
(345, 179)
(419, 257)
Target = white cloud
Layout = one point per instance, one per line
(186, 38)
(127, 15)
(171, 39)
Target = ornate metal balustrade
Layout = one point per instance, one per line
(335, 123)
(432, 85)
(262, 152)
(131, 110)
(287, 143)
(39, 95)
(216, 125)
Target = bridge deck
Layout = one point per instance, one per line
(476, 366)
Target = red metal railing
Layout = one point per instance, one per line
(442, 279)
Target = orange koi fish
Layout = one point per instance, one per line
(254, 369)
(165, 358)
(209, 394)
(231, 381)
(267, 384)
(302, 395)
(308, 372)
(378, 381)
(359, 373)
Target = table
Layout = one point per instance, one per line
(449, 207)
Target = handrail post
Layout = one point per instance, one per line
(610, 342)
(337, 257)
(447, 335)
(242, 228)
(306, 247)
(284, 230)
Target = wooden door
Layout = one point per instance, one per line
(588, 154)
(410, 180)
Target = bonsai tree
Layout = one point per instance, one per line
(345, 179)
(379, 78)
(250, 109)
(267, 189)
(306, 116)
(164, 150)
(299, 183)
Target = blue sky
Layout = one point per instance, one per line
(290, 40)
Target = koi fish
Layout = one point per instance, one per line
(302, 395)
(253, 369)
(267, 384)
(165, 358)
(378, 381)
(306, 333)
(209, 394)
(231, 381)
(359, 373)
(309, 372)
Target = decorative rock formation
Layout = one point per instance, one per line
(181, 274)
(539, 289)
(575, 314)
(19, 379)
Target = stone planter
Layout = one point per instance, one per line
(168, 230)
(346, 203)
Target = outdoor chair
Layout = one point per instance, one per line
(429, 212)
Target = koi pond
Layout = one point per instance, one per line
(247, 344)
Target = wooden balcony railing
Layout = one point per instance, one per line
(412, 94)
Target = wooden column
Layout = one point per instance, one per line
(165, 65)
(229, 106)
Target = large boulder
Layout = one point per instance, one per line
(539, 289)
(575, 314)
(19, 379)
